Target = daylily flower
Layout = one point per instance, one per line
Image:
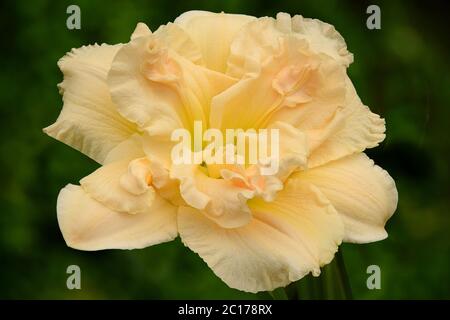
(256, 232)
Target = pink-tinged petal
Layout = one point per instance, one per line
(293, 86)
(259, 40)
(122, 186)
(86, 224)
(220, 200)
(160, 90)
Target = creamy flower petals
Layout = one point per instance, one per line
(138, 178)
(177, 39)
(265, 187)
(156, 150)
(364, 195)
(158, 89)
(292, 149)
(213, 34)
(239, 100)
(219, 199)
(294, 235)
(352, 129)
(259, 40)
(293, 86)
(173, 37)
(141, 30)
(324, 83)
(89, 121)
(122, 186)
(260, 221)
(88, 225)
(130, 149)
(322, 36)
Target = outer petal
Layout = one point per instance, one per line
(89, 121)
(88, 225)
(351, 129)
(322, 36)
(286, 239)
(364, 195)
(141, 30)
(115, 185)
(259, 40)
(334, 127)
(213, 34)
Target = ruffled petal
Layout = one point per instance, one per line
(322, 37)
(336, 122)
(141, 30)
(264, 186)
(160, 90)
(351, 129)
(286, 239)
(219, 199)
(363, 193)
(213, 34)
(88, 225)
(89, 121)
(177, 39)
(292, 150)
(122, 186)
(259, 40)
(293, 85)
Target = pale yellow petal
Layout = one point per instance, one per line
(213, 34)
(130, 149)
(260, 39)
(294, 235)
(250, 98)
(364, 195)
(292, 149)
(88, 225)
(322, 37)
(219, 199)
(177, 39)
(351, 129)
(89, 121)
(293, 86)
(115, 185)
(141, 30)
(160, 90)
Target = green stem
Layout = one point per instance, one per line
(344, 276)
(333, 283)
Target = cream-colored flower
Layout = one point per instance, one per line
(256, 232)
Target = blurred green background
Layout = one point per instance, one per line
(400, 71)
